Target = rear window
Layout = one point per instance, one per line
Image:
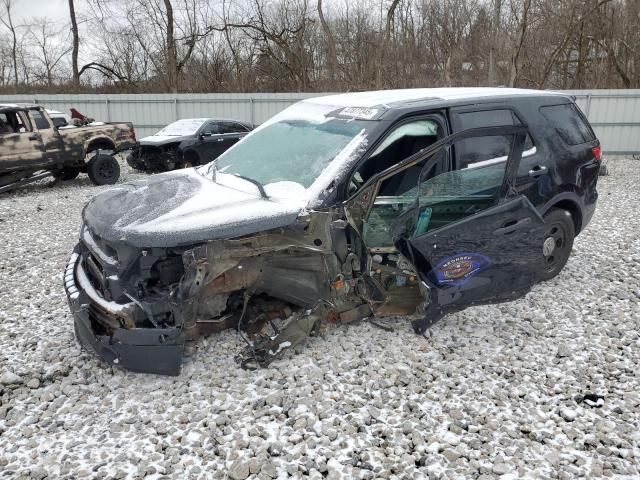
(480, 148)
(569, 123)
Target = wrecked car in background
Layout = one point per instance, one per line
(186, 143)
(33, 146)
(407, 202)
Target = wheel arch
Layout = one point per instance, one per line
(570, 203)
(97, 143)
(191, 154)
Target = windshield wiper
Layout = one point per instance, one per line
(212, 171)
(263, 193)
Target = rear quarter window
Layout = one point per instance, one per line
(567, 120)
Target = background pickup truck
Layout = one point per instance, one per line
(31, 147)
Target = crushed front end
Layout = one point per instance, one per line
(123, 306)
(137, 307)
(154, 158)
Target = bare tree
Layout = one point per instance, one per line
(50, 50)
(523, 23)
(495, 27)
(76, 44)
(317, 45)
(8, 5)
(332, 57)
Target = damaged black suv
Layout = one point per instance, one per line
(407, 202)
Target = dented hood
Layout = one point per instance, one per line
(181, 208)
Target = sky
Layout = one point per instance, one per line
(55, 10)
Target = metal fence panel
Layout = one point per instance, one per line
(614, 114)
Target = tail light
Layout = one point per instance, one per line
(133, 133)
(597, 153)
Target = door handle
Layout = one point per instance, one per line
(511, 226)
(538, 170)
(221, 140)
(35, 136)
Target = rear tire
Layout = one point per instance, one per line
(558, 241)
(67, 173)
(103, 170)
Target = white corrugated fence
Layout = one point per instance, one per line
(614, 114)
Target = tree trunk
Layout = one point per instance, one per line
(76, 44)
(495, 25)
(515, 58)
(578, 79)
(332, 57)
(384, 49)
(14, 39)
(172, 54)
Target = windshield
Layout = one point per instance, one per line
(301, 144)
(188, 126)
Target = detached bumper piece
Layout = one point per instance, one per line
(144, 350)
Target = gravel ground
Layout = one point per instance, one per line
(495, 392)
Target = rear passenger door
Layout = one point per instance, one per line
(51, 140)
(532, 177)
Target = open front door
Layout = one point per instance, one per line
(468, 234)
(471, 238)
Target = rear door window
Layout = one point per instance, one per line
(231, 127)
(569, 123)
(41, 122)
(481, 149)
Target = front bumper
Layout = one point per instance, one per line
(145, 350)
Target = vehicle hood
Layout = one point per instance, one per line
(182, 208)
(156, 140)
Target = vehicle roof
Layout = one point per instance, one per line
(404, 97)
(209, 120)
(18, 106)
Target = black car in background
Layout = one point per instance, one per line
(186, 143)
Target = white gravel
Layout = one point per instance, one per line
(496, 391)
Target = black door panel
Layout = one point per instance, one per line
(494, 255)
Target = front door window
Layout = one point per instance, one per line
(442, 196)
(454, 195)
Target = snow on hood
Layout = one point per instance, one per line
(160, 139)
(183, 207)
(186, 126)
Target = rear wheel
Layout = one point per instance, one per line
(103, 170)
(67, 173)
(558, 242)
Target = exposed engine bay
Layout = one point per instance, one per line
(276, 288)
